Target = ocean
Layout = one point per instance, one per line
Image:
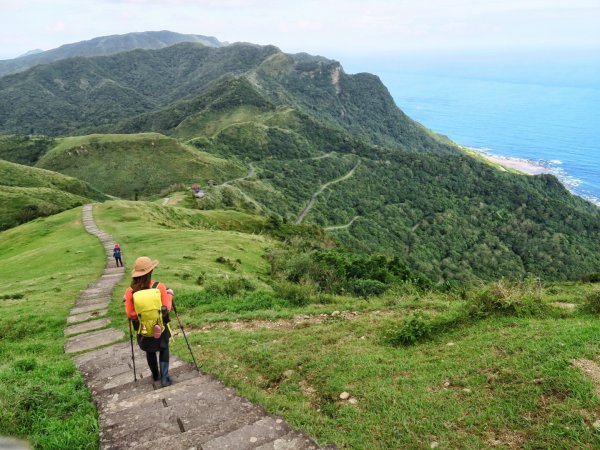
(555, 126)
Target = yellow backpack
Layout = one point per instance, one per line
(147, 304)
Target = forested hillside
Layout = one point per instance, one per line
(295, 138)
(101, 46)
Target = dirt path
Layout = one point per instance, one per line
(196, 411)
(308, 207)
(250, 174)
(591, 369)
(341, 227)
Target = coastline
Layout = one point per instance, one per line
(522, 165)
(530, 167)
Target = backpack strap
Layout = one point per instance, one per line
(155, 285)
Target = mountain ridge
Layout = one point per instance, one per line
(102, 46)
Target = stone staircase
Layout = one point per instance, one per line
(196, 412)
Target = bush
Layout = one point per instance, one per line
(411, 330)
(591, 278)
(294, 294)
(366, 288)
(591, 302)
(503, 297)
(200, 280)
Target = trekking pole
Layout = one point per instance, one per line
(185, 337)
(132, 354)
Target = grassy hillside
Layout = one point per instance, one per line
(139, 165)
(466, 381)
(43, 397)
(488, 366)
(27, 193)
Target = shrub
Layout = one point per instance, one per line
(201, 279)
(233, 264)
(295, 294)
(366, 288)
(503, 297)
(591, 302)
(230, 286)
(25, 365)
(591, 278)
(411, 330)
(16, 296)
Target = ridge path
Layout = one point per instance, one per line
(311, 202)
(195, 412)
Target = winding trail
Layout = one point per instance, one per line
(250, 174)
(340, 227)
(195, 412)
(310, 204)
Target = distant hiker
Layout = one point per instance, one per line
(117, 255)
(147, 304)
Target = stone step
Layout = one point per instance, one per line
(89, 301)
(84, 358)
(210, 425)
(125, 375)
(93, 291)
(104, 285)
(200, 408)
(76, 318)
(87, 326)
(95, 296)
(92, 340)
(144, 385)
(250, 436)
(83, 309)
(117, 355)
(181, 391)
(294, 440)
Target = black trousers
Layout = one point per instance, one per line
(118, 261)
(163, 356)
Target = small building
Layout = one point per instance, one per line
(198, 191)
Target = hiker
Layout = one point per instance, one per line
(117, 255)
(147, 304)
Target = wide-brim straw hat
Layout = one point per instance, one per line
(143, 265)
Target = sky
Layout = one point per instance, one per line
(337, 29)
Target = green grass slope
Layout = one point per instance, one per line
(43, 397)
(28, 192)
(140, 165)
(471, 385)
